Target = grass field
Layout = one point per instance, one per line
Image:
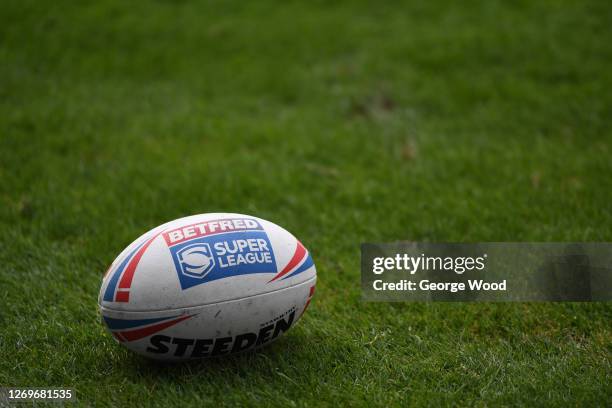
(344, 123)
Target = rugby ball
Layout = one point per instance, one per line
(206, 285)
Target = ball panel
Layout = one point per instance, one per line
(212, 330)
(153, 283)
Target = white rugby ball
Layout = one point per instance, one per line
(207, 285)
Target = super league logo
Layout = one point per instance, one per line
(196, 260)
(207, 258)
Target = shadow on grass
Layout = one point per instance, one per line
(271, 362)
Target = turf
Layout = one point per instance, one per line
(344, 123)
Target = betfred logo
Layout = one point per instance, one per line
(219, 249)
(189, 232)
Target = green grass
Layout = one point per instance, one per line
(344, 123)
